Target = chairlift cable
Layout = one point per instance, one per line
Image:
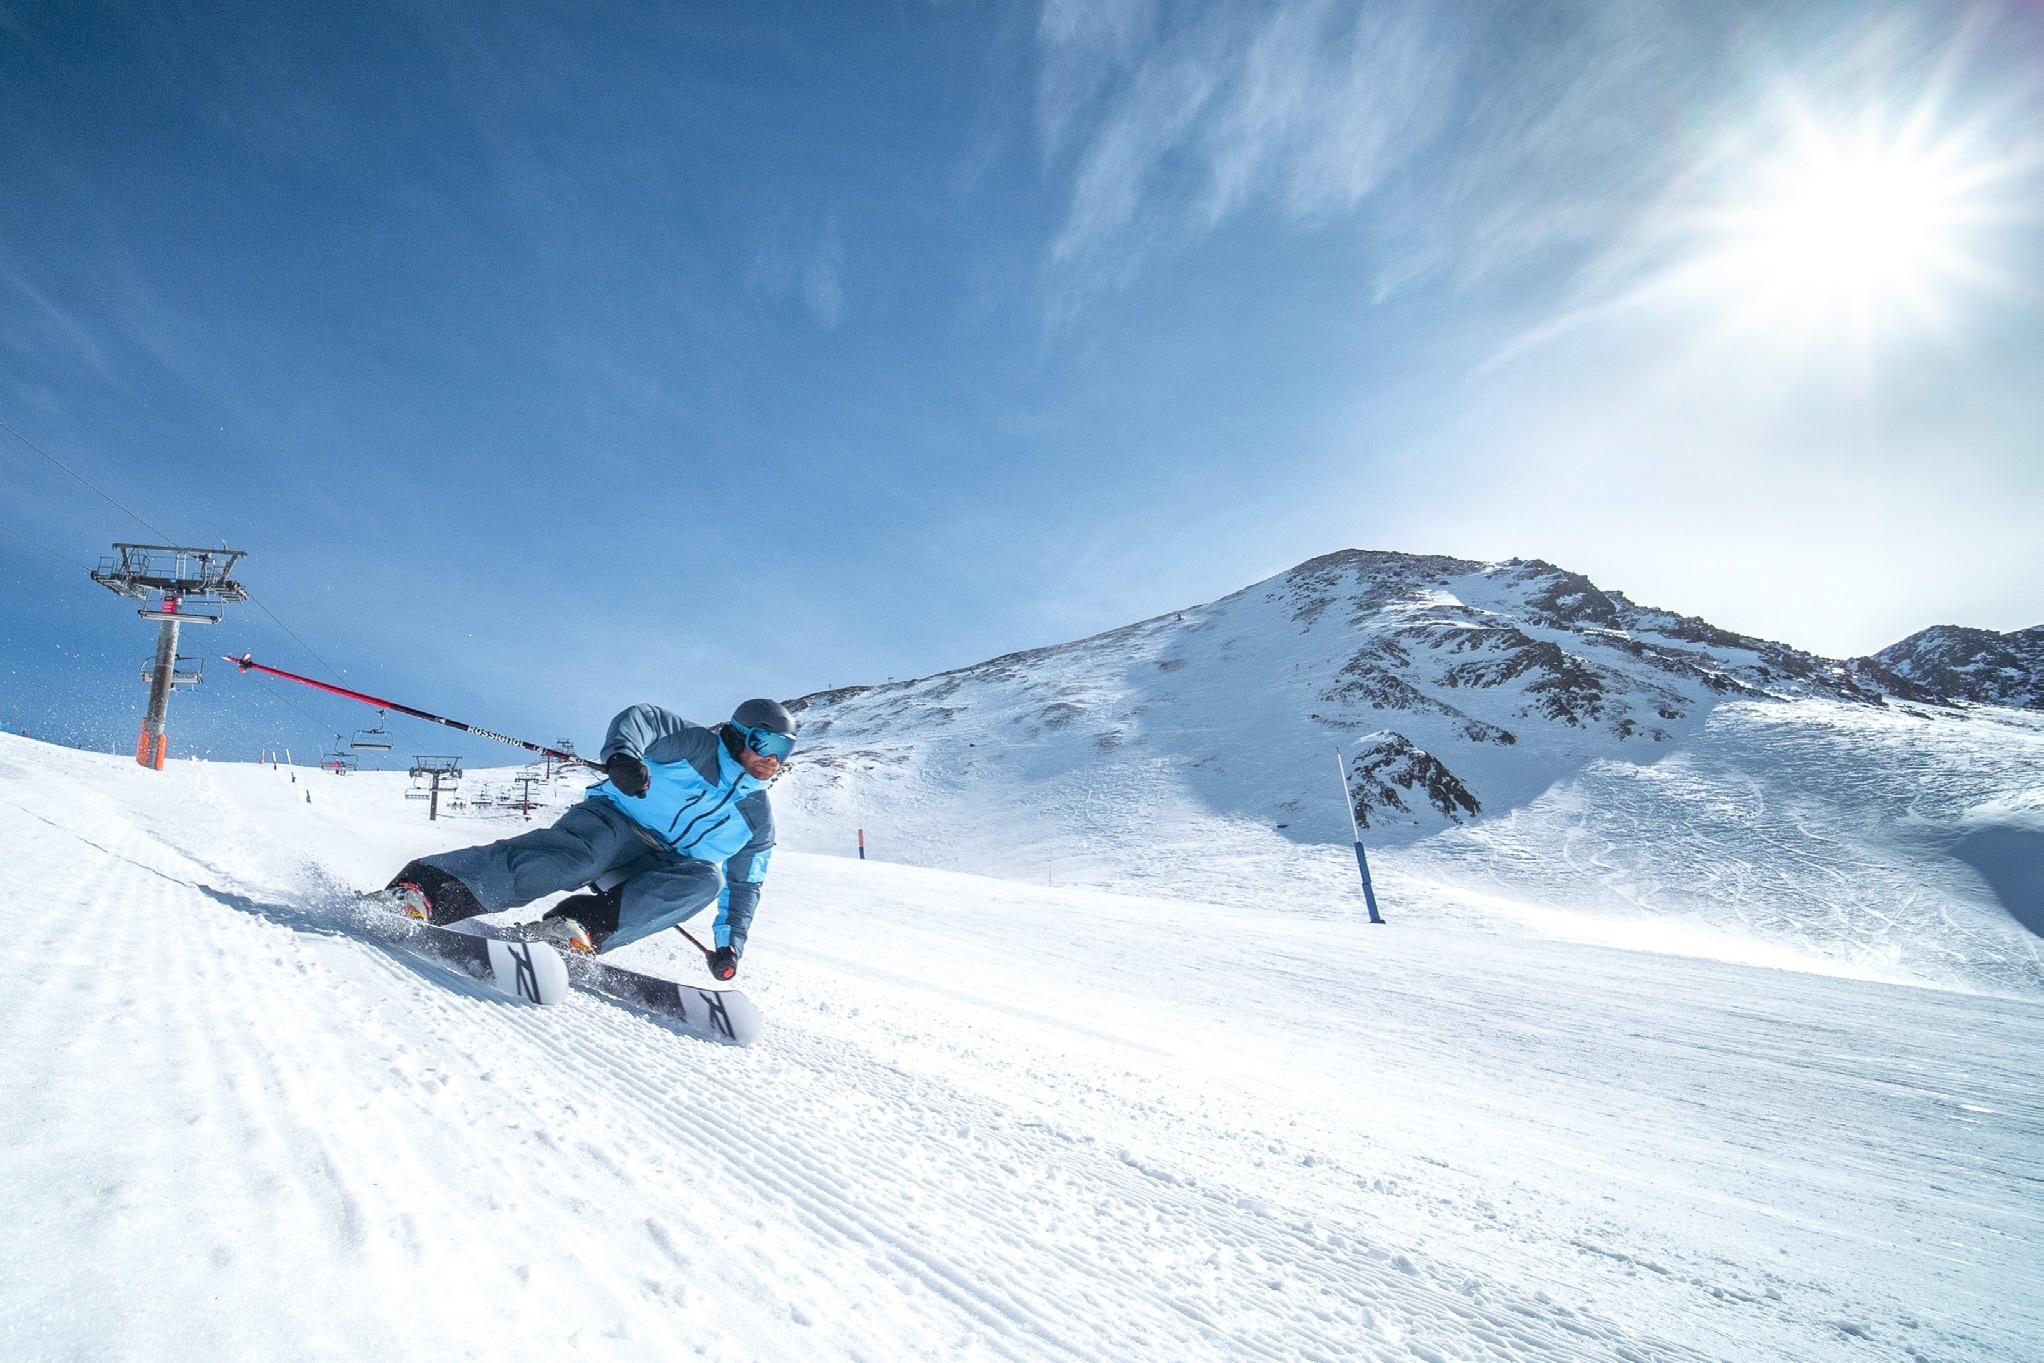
(45, 548)
(310, 650)
(154, 530)
(87, 482)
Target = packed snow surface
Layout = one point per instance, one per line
(989, 1120)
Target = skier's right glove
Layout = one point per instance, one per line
(723, 963)
(628, 774)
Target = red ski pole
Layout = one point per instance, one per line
(247, 663)
(709, 956)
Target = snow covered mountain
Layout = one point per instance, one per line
(1508, 728)
(1982, 666)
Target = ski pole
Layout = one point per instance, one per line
(709, 957)
(247, 663)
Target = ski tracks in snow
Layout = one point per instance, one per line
(266, 1137)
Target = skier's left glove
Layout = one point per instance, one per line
(723, 963)
(628, 774)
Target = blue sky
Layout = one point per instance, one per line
(545, 363)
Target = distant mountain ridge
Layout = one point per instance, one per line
(1980, 666)
(1509, 733)
(1423, 656)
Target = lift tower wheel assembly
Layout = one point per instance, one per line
(180, 578)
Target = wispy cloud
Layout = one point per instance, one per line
(1176, 128)
(61, 329)
(1469, 138)
(823, 284)
(815, 273)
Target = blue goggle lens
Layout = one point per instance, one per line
(767, 743)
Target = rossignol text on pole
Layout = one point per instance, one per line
(247, 663)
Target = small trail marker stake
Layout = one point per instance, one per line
(1355, 830)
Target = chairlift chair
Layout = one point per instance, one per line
(185, 670)
(372, 740)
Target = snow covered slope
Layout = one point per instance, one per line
(1507, 728)
(989, 1120)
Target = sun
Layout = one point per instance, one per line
(1866, 229)
(1855, 222)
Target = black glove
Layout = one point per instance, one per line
(723, 963)
(628, 773)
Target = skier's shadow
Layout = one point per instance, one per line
(2011, 860)
(352, 926)
(283, 915)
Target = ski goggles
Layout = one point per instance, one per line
(767, 743)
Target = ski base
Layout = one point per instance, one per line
(718, 1014)
(532, 971)
(538, 973)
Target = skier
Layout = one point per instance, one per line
(681, 819)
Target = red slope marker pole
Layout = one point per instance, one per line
(247, 663)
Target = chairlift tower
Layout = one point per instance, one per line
(562, 747)
(179, 579)
(443, 772)
(525, 785)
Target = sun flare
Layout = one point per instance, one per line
(1866, 229)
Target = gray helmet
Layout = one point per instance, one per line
(766, 727)
(764, 714)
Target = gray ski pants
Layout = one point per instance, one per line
(592, 842)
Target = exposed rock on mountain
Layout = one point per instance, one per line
(1981, 666)
(1387, 764)
(1503, 677)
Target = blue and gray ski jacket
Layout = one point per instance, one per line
(699, 804)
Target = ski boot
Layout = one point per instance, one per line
(429, 894)
(563, 932)
(409, 900)
(581, 922)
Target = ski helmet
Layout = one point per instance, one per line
(766, 727)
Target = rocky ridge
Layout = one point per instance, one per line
(1452, 687)
(1976, 666)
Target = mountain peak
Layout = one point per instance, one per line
(1982, 666)
(1478, 685)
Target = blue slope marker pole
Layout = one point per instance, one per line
(1362, 862)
